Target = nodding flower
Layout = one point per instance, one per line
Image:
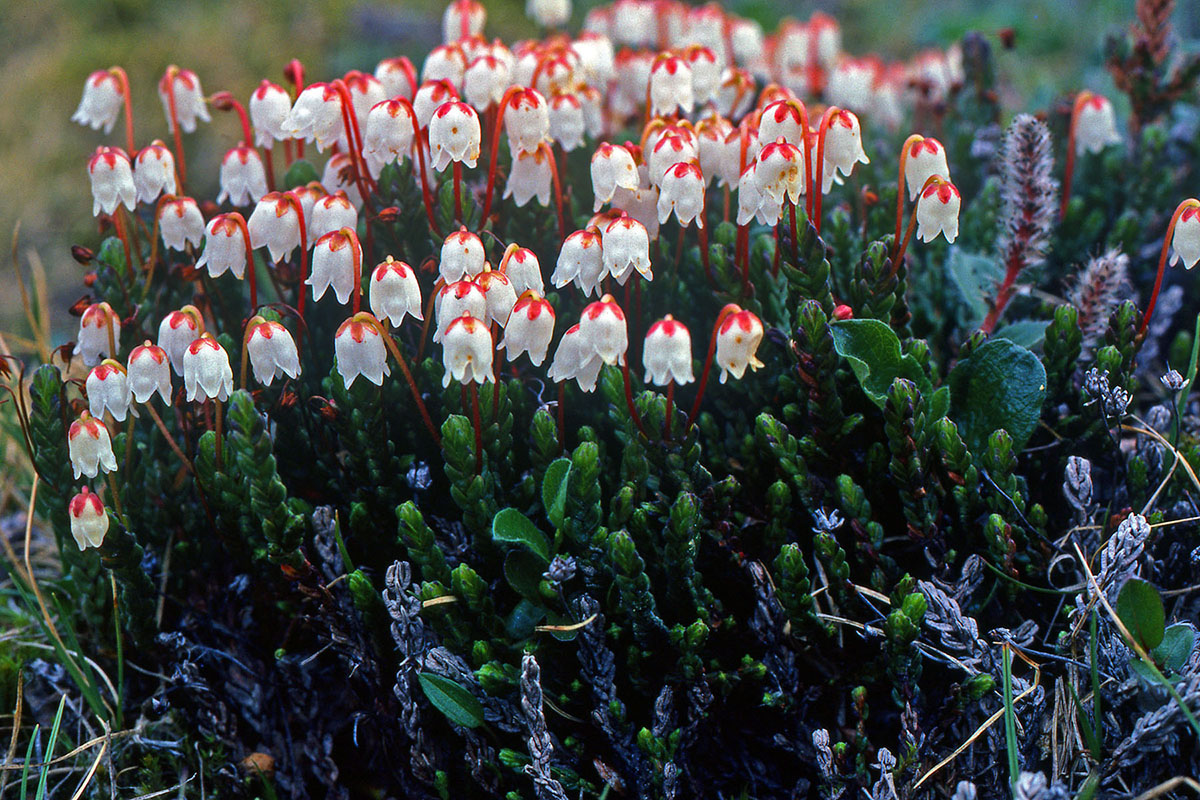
(456, 299)
(706, 72)
(575, 359)
(526, 120)
(454, 135)
(180, 222)
(711, 133)
(178, 330)
(1095, 124)
(667, 353)
(331, 213)
(467, 351)
(224, 247)
(337, 263)
(604, 330)
(670, 85)
(90, 447)
(581, 260)
(548, 13)
(486, 80)
(394, 292)
(612, 166)
(780, 171)
(243, 178)
(925, 158)
(1185, 240)
(397, 77)
(785, 118)
(530, 328)
(154, 172)
(89, 520)
(206, 371)
(149, 371)
(462, 18)
(389, 134)
(101, 103)
(431, 96)
(530, 176)
(626, 247)
(112, 180)
(190, 105)
(735, 94)
(316, 116)
(275, 224)
(93, 343)
(682, 193)
(269, 108)
(738, 338)
(567, 122)
(446, 62)
(843, 143)
(523, 269)
(669, 149)
(359, 349)
(937, 211)
(499, 296)
(108, 390)
(272, 351)
(462, 256)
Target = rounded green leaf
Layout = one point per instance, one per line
(459, 705)
(554, 490)
(873, 351)
(510, 525)
(1141, 610)
(1001, 385)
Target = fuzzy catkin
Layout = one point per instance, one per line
(1028, 191)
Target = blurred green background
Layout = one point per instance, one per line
(50, 46)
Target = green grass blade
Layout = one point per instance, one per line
(1010, 720)
(41, 789)
(37, 731)
(1097, 699)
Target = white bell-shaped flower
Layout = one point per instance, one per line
(530, 328)
(206, 371)
(670, 86)
(456, 299)
(149, 371)
(783, 119)
(499, 293)
(269, 108)
(101, 103)
(612, 166)
(843, 143)
(711, 133)
(925, 158)
(178, 330)
(461, 19)
(523, 269)
(548, 13)
(190, 104)
(431, 96)
(272, 351)
(530, 176)
(467, 351)
(336, 262)
(681, 192)
(667, 353)
(398, 77)
(389, 134)
(331, 213)
(225, 245)
(738, 337)
(575, 359)
(669, 149)
(359, 349)
(316, 116)
(567, 125)
(112, 180)
(603, 327)
(1185, 240)
(937, 211)
(1095, 124)
(154, 172)
(462, 256)
(89, 520)
(780, 171)
(90, 447)
(243, 178)
(446, 62)
(706, 73)
(394, 292)
(108, 390)
(454, 135)
(626, 247)
(526, 120)
(92, 344)
(276, 224)
(180, 223)
(486, 80)
(581, 260)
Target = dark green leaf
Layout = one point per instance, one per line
(523, 571)
(873, 350)
(1001, 385)
(554, 490)
(510, 525)
(1141, 610)
(976, 277)
(523, 619)
(1175, 647)
(300, 173)
(459, 705)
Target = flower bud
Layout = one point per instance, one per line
(431, 96)
(670, 86)
(581, 259)
(397, 77)
(574, 359)
(206, 371)
(189, 99)
(530, 176)
(89, 520)
(738, 338)
(667, 353)
(462, 256)
(682, 192)
(359, 349)
(331, 213)
(90, 447)
(275, 225)
(112, 180)
(529, 329)
(243, 179)
(178, 330)
(269, 107)
(272, 352)
(499, 294)
(626, 247)
(524, 270)
(394, 292)
(92, 343)
(526, 120)
(486, 80)
(108, 390)
(454, 135)
(926, 157)
(1186, 238)
(149, 371)
(462, 18)
(316, 116)
(602, 326)
(154, 172)
(467, 351)
(337, 259)
(101, 103)
(937, 211)
(612, 166)
(566, 121)
(843, 143)
(224, 247)
(1096, 125)
(180, 222)
(456, 299)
